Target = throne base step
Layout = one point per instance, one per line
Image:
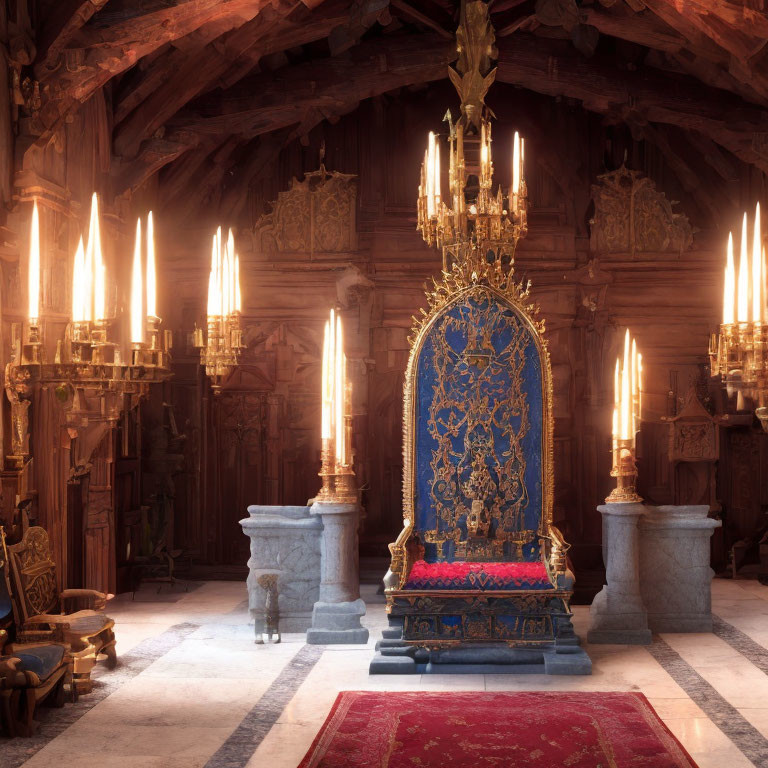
(489, 659)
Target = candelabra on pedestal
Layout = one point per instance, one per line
(336, 615)
(626, 423)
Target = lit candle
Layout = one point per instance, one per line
(231, 301)
(625, 391)
(729, 287)
(639, 386)
(100, 290)
(212, 288)
(34, 267)
(522, 160)
(634, 383)
(93, 270)
(437, 177)
(516, 166)
(238, 301)
(743, 296)
(151, 269)
(338, 386)
(616, 401)
(78, 285)
(431, 175)
(757, 246)
(325, 429)
(137, 291)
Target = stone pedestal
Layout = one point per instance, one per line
(675, 575)
(285, 541)
(618, 614)
(336, 615)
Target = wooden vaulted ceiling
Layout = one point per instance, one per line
(193, 81)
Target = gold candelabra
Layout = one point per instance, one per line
(86, 359)
(476, 220)
(220, 348)
(626, 423)
(739, 352)
(338, 477)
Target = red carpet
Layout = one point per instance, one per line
(495, 730)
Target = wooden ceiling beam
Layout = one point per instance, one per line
(559, 70)
(102, 50)
(642, 28)
(270, 101)
(416, 15)
(201, 71)
(742, 16)
(277, 100)
(63, 21)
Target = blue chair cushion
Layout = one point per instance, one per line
(43, 660)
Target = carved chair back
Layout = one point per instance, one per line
(478, 431)
(33, 572)
(6, 603)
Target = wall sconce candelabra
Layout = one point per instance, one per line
(476, 221)
(336, 427)
(220, 348)
(739, 352)
(626, 422)
(86, 358)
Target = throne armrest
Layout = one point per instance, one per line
(34, 630)
(404, 551)
(97, 601)
(557, 547)
(10, 677)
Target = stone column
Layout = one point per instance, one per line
(336, 615)
(617, 612)
(675, 575)
(285, 543)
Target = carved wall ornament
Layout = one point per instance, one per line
(693, 432)
(632, 216)
(314, 216)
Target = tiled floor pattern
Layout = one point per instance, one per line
(194, 690)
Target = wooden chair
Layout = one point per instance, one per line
(30, 673)
(89, 632)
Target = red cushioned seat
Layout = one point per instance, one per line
(482, 576)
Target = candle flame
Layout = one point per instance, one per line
(325, 429)
(79, 300)
(743, 287)
(628, 385)
(34, 265)
(338, 387)
(625, 391)
(516, 164)
(757, 280)
(238, 298)
(729, 287)
(151, 269)
(94, 295)
(137, 291)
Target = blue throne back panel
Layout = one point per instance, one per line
(479, 432)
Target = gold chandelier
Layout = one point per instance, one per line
(739, 352)
(87, 360)
(475, 223)
(220, 348)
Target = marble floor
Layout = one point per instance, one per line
(193, 690)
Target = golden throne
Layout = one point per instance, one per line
(478, 575)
